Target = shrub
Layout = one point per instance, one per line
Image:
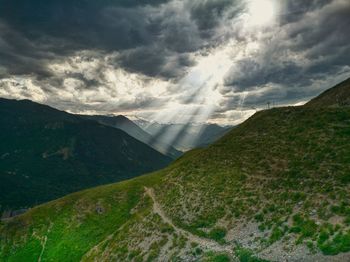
(259, 217)
(340, 243)
(276, 235)
(217, 233)
(324, 236)
(213, 257)
(246, 255)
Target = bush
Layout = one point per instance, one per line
(259, 217)
(340, 243)
(217, 233)
(324, 236)
(245, 255)
(309, 228)
(306, 227)
(213, 257)
(276, 235)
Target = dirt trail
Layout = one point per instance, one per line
(203, 242)
(43, 242)
(43, 248)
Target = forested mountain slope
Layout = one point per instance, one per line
(46, 153)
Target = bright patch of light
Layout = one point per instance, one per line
(200, 87)
(116, 90)
(21, 88)
(261, 12)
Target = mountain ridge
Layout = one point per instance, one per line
(125, 124)
(46, 153)
(185, 136)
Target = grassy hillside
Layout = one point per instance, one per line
(46, 153)
(338, 96)
(274, 188)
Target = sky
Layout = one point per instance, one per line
(172, 60)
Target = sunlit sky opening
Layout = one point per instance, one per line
(261, 12)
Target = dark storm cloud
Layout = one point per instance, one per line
(165, 64)
(208, 13)
(311, 44)
(19, 55)
(298, 8)
(251, 74)
(40, 30)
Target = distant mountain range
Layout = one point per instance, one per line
(184, 137)
(46, 153)
(135, 131)
(169, 139)
(274, 188)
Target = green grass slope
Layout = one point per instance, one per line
(274, 188)
(46, 154)
(338, 96)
